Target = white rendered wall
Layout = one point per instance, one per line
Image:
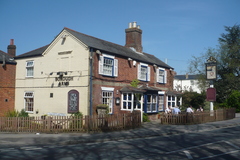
(76, 64)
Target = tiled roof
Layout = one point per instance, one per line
(132, 89)
(141, 89)
(34, 53)
(8, 58)
(184, 77)
(117, 49)
(104, 46)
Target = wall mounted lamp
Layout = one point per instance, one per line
(98, 52)
(117, 101)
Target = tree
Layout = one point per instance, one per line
(227, 55)
(233, 101)
(193, 99)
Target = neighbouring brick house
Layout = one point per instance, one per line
(7, 79)
(77, 72)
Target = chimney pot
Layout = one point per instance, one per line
(134, 24)
(11, 41)
(130, 25)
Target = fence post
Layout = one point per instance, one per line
(48, 123)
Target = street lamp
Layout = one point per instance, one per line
(211, 74)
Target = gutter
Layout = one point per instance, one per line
(90, 81)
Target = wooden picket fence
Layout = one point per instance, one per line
(198, 117)
(61, 124)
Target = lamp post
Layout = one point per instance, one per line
(211, 74)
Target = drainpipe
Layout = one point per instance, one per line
(90, 83)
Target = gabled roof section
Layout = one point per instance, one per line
(33, 53)
(104, 46)
(186, 77)
(117, 49)
(6, 58)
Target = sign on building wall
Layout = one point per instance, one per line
(211, 94)
(73, 101)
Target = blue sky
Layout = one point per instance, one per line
(173, 30)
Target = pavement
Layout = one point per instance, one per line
(148, 129)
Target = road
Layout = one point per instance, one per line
(220, 144)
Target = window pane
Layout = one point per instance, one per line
(29, 104)
(129, 105)
(161, 76)
(124, 105)
(143, 73)
(28, 94)
(29, 64)
(160, 102)
(173, 104)
(129, 96)
(148, 107)
(108, 66)
(29, 68)
(124, 96)
(149, 98)
(169, 98)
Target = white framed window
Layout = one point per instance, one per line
(107, 98)
(29, 101)
(160, 102)
(131, 101)
(161, 75)
(151, 103)
(127, 101)
(108, 65)
(171, 101)
(143, 72)
(29, 68)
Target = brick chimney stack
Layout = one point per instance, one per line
(134, 36)
(12, 48)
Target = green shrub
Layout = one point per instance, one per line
(103, 106)
(15, 113)
(145, 117)
(23, 113)
(233, 101)
(77, 122)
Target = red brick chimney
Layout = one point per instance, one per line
(12, 48)
(134, 36)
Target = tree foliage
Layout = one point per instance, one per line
(193, 99)
(233, 101)
(227, 55)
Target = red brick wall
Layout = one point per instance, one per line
(7, 88)
(126, 73)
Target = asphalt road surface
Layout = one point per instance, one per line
(219, 144)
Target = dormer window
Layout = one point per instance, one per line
(108, 65)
